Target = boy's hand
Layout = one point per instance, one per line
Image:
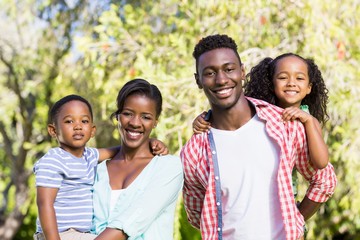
(158, 147)
(292, 113)
(200, 125)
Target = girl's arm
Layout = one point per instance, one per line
(318, 151)
(45, 198)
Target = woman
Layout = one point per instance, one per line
(135, 193)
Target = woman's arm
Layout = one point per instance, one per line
(45, 203)
(112, 233)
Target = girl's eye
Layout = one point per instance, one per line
(146, 117)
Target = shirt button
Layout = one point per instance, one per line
(218, 203)
(216, 177)
(213, 152)
(219, 229)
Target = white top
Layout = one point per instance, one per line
(248, 163)
(114, 197)
(145, 210)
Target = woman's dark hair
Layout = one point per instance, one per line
(259, 84)
(55, 109)
(140, 87)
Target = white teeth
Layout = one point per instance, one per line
(134, 133)
(224, 91)
(291, 92)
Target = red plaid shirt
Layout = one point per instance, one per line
(201, 188)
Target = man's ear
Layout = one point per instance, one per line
(51, 130)
(198, 80)
(93, 131)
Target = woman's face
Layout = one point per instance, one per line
(136, 120)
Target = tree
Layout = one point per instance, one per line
(94, 48)
(30, 59)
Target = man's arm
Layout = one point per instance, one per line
(308, 208)
(193, 191)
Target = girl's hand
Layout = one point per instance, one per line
(158, 147)
(200, 125)
(292, 113)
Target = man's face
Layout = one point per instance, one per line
(219, 73)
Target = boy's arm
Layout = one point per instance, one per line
(106, 153)
(45, 202)
(157, 147)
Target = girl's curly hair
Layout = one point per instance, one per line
(259, 84)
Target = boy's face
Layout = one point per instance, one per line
(73, 128)
(220, 74)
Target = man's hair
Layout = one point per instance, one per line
(140, 87)
(212, 42)
(54, 111)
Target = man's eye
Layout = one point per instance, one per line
(209, 74)
(229, 70)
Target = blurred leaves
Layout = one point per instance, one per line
(92, 49)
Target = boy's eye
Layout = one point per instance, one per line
(85, 121)
(68, 121)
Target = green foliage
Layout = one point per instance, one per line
(154, 40)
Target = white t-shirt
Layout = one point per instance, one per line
(248, 164)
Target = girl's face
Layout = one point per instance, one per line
(136, 121)
(73, 128)
(291, 81)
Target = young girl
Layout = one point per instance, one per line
(65, 175)
(295, 84)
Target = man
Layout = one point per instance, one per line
(238, 176)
